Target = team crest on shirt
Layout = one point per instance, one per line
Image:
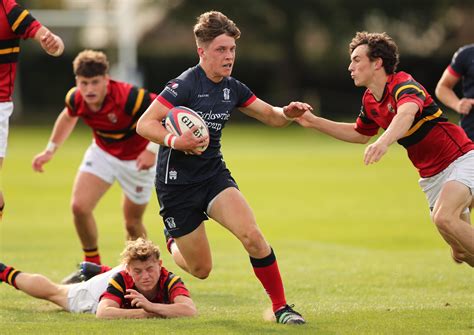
(390, 108)
(173, 174)
(112, 117)
(226, 94)
(139, 189)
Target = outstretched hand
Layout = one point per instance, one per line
(296, 108)
(41, 159)
(138, 300)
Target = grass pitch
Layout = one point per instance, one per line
(357, 251)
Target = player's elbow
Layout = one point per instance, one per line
(141, 127)
(362, 139)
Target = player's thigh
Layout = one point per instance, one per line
(454, 199)
(231, 210)
(194, 248)
(6, 109)
(88, 190)
(132, 210)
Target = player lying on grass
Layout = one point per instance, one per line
(138, 288)
(440, 150)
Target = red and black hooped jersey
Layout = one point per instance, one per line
(169, 286)
(114, 125)
(15, 23)
(432, 143)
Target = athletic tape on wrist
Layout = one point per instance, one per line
(153, 147)
(169, 140)
(286, 116)
(51, 146)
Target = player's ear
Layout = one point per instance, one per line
(200, 51)
(378, 63)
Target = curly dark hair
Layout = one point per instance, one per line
(212, 24)
(90, 63)
(380, 46)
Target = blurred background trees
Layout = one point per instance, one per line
(289, 50)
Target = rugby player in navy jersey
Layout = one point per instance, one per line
(17, 23)
(461, 67)
(111, 109)
(440, 150)
(192, 186)
(138, 288)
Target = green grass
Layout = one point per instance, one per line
(355, 245)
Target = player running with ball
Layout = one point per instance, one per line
(192, 186)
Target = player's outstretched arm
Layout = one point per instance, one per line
(182, 307)
(339, 130)
(275, 116)
(51, 43)
(445, 93)
(63, 127)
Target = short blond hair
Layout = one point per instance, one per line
(139, 249)
(90, 63)
(212, 24)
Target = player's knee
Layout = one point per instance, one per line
(254, 242)
(201, 272)
(79, 209)
(460, 257)
(444, 221)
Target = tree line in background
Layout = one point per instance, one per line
(288, 49)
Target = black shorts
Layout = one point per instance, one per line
(183, 207)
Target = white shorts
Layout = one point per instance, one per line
(137, 185)
(461, 170)
(84, 297)
(6, 110)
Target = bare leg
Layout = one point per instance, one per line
(452, 224)
(193, 254)
(133, 214)
(232, 211)
(38, 286)
(88, 190)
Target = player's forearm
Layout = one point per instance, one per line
(120, 313)
(340, 130)
(447, 96)
(175, 310)
(398, 128)
(62, 129)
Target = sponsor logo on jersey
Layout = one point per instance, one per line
(374, 112)
(171, 87)
(205, 95)
(170, 222)
(139, 189)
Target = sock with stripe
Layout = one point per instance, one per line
(8, 275)
(266, 270)
(1, 212)
(92, 255)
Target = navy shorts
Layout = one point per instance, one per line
(183, 207)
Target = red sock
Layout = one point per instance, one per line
(266, 270)
(92, 255)
(105, 268)
(9, 276)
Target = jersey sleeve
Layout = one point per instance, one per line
(365, 125)
(138, 100)
(176, 93)
(21, 22)
(116, 289)
(245, 95)
(70, 101)
(459, 63)
(175, 287)
(409, 91)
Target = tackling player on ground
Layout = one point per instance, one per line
(192, 186)
(138, 288)
(440, 150)
(16, 23)
(111, 109)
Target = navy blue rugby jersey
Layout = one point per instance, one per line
(214, 102)
(462, 65)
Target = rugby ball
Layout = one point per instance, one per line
(181, 119)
